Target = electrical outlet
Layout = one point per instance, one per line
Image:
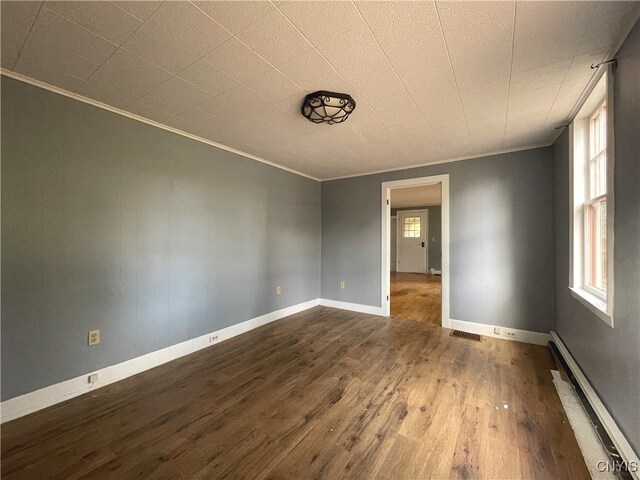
(496, 330)
(510, 334)
(213, 338)
(93, 378)
(94, 337)
(278, 290)
(342, 285)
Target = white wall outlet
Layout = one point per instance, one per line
(94, 337)
(93, 378)
(278, 290)
(213, 338)
(510, 334)
(342, 285)
(496, 330)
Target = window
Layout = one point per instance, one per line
(595, 206)
(591, 164)
(411, 227)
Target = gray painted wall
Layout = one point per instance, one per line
(151, 237)
(501, 241)
(434, 233)
(609, 357)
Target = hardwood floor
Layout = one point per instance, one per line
(322, 394)
(417, 297)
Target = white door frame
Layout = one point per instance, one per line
(386, 248)
(426, 236)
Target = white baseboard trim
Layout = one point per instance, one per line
(30, 402)
(536, 338)
(619, 440)
(354, 307)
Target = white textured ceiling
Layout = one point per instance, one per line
(415, 196)
(432, 80)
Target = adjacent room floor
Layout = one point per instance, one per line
(322, 394)
(417, 296)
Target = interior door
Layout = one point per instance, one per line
(412, 241)
(393, 261)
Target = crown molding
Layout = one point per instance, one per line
(439, 162)
(124, 113)
(104, 106)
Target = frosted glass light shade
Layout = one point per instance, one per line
(328, 107)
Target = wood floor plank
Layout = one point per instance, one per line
(404, 454)
(417, 296)
(322, 394)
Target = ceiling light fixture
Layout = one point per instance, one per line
(327, 107)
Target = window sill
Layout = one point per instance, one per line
(593, 303)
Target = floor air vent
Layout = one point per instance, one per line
(467, 336)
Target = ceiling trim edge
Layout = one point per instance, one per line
(132, 116)
(104, 106)
(447, 160)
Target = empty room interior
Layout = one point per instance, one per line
(320, 239)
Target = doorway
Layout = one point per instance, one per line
(415, 249)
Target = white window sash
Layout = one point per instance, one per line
(580, 148)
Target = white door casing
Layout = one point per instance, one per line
(385, 213)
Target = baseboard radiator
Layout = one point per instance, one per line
(622, 459)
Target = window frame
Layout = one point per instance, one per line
(580, 145)
(593, 290)
(591, 201)
(412, 230)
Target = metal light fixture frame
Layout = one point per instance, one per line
(327, 107)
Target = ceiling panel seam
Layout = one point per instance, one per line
(393, 69)
(613, 50)
(363, 99)
(114, 52)
(513, 43)
(27, 36)
(453, 71)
